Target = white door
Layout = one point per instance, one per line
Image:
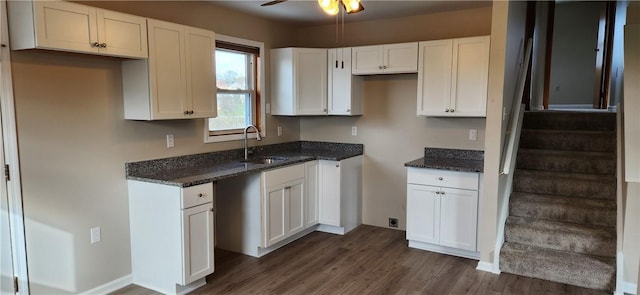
(367, 60)
(123, 34)
(197, 235)
(275, 208)
(434, 77)
(201, 76)
(458, 218)
(340, 81)
(167, 70)
(423, 213)
(65, 25)
(310, 74)
(311, 186)
(401, 58)
(330, 194)
(471, 75)
(294, 194)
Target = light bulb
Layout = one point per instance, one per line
(352, 6)
(330, 7)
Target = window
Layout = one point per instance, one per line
(238, 81)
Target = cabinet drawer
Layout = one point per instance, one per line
(197, 195)
(443, 178)
(283, 175)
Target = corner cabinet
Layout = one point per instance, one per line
(345, 90)
(66, 26)
(177, 81)
(442, 211)
(172, 236)
(298, 81)
(453, 76)
(385, 59)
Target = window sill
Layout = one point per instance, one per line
(231, 137)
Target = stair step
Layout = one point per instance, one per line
(594, 212)
(599, 241)
(586, 271)
(565, 184)
(567, 161)
(568, 140)
(565, 120)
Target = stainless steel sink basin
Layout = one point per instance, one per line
(265, 160)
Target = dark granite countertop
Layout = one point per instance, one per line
(450, 159)
(190, 170)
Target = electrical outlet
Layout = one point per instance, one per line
(473, 134)
(170, 141)
(95, 235)
(393, 222)
(354, 130)
(279, 130)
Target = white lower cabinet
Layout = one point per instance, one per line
(442, 211)
(172, 236)
(284, 210)
(340, 195)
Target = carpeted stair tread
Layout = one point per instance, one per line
(595, 212)
(587, 271)
(567, 161)
(565, 184)
(561, 236)
(568, 140)
(602, 121)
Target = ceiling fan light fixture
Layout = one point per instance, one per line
(352, 6)
(330, 7)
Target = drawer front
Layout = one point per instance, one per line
(443, 178)
(283, 175)
(197, 195)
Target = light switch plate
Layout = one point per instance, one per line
(170, 141)
(354, 130)
(473, 134)
(95, 235)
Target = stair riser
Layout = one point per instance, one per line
(564, 121)
(565, 187)
(566, 141)
(582, 243)
(566, 164)
(571, 214)
(600, 277)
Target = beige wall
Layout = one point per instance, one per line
(73, 143)
(391, 132)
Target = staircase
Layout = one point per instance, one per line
(562, 212)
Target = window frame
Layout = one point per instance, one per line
(212, 137)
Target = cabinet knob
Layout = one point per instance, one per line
(380, 67)
(95, 44)
(442, 193)
(348, 110)
(190, 112)
(325, 110)
(337, 165)
(440, 178)
(186, 112)
(446, 111)
(200, 195)
(437, 193)
(384, 67)
(452, 110)
(103, 45)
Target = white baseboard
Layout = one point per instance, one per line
(570, 106)
(628, 288)
(488, 267)
(112, 286)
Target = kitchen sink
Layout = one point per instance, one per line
(265, 160)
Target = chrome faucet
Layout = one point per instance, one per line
(258, 138)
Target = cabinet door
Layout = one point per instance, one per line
(310, 74)
(201, 79)
(312, 170)
(367, 60)
(197, 238)
(423, 213)
(458, 218)
(330, 198)
(167, 70)
(123, 34)
(471, 74)
(294, 194)
(434, 77)
(66, 26)
(275, 207)
(345, 95)
(401, 58)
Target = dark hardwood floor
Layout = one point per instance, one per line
(368, 260)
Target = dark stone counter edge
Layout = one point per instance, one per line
(459, 165)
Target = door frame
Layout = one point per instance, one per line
(10, 139)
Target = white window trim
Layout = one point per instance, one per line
(260, 83)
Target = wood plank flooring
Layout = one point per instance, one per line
(368, 260)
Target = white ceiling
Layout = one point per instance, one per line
(307, 12)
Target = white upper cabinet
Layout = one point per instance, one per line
(177, 81)
(298, 81)
(344, 89)
(453, 76)
(385, 59)
(66, 26)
